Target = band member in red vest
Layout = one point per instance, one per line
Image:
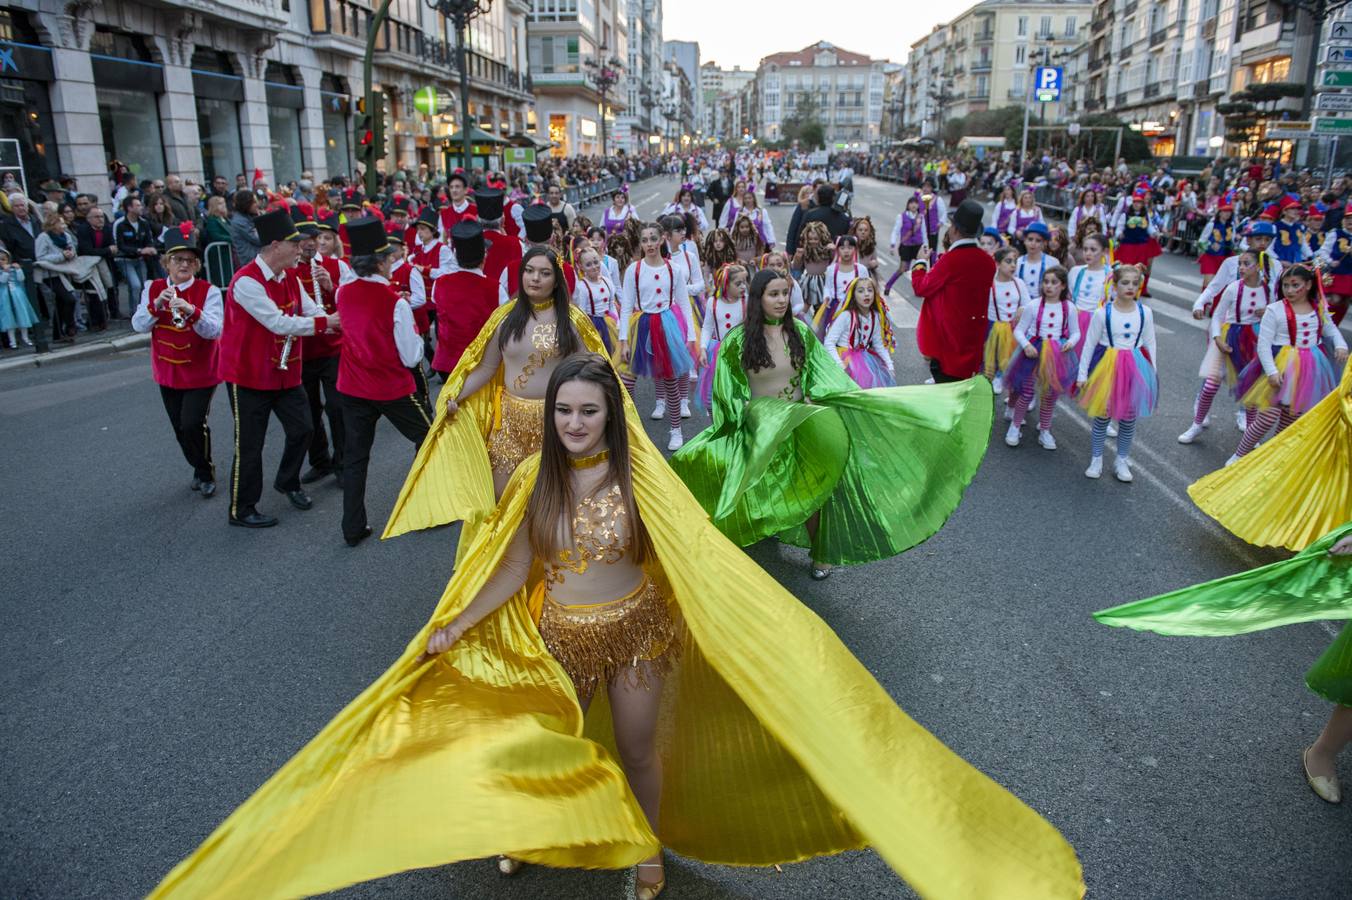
(267, 312)
(330, 247)
(460, 208)
(183, 314)
(380, 346)
(409, 284)
(502, 261)
(464, 299)
(432, 258)
(539, 222)
(320, 276)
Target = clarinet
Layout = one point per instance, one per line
(286, 352)
(174, 315)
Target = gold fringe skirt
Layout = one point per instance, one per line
(518, 431)
(594, 642)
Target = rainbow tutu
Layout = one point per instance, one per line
(1000, 346)
(1085, 315)
(657, 346)
(704, 391)
(1121, 385)
(1307, 377)
(1053, 367)
(605, 326)
(867, 368)
(1242, 341)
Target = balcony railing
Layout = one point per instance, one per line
(1093, 104)
(984, 36)
(1129, 8)
(960, 45)
(1152, 90)
(1121, 100)
(1209, 29)
(1158, 36)
(980, 95)
(1124, 52)
(981, 65)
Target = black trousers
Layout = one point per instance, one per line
(421, 387)
(408, 414)
(317, 373)
(187, 409)
(251, 409)
(940, 376)
(63, 323)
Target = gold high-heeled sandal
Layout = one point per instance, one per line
(645, 890)
(1326, 788)
(509, 866)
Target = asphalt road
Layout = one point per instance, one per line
(159, 665)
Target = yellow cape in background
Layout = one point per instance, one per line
(450, 479)
(777, 744)
(1294, 489)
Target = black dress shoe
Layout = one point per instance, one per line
(253, 520)
(300, 499)
(316, 473)
(207, 489)
(196, 483)
(361, 536)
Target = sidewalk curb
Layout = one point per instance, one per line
(80, 351)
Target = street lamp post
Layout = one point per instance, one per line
(605, 73)
(460, 12)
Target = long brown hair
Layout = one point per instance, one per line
(755, 350)
(515, 324)
(716, 259)
(549, 513)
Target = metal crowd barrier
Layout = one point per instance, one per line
(599, 191)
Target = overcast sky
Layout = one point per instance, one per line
(740, 33)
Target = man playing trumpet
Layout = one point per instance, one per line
(182, 314)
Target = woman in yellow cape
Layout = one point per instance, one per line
(1295, 488)
(473, 447)
(484, 749)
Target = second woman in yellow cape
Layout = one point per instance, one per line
(484, 750)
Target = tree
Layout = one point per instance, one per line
(1248, 112)
(804, 124)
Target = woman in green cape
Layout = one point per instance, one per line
(797, 449)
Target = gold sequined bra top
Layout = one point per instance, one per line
(601, 534)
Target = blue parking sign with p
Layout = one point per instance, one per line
(1047, 84)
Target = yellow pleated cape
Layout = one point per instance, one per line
(451, 479)
(1294, 489)
(777, 745)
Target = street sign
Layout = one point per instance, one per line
(1047, 83)
(1336, 54)
(1289, 131)
(1336, 78)
(1334, 102)
(1073, 129)
(518, 156)
(1325, 125)
(425, 100)
(1340, 32)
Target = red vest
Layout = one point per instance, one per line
(509, 219)
(370, 367)
(399, 280)
(464, 301)
(181, 358)
(321, 346)
(504, 254)
(449, 217)
(249, 353)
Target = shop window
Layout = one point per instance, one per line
(129, 134)
(218, 129)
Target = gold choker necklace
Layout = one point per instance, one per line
(586, 462)
(541, 307)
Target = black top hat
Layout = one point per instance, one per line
(967, 217)
(367, 236)
(394, 233)
(326, 220)
(304, 224)
(489, 202)
(430, 218)
(353, 200)
(468, 239)
(539, 223)
(275, 226)
(180, 240)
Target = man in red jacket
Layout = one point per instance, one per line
(952, 328)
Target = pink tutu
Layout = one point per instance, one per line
(867, 369)
(1307, 377)
(1054, 368)
(1084, 315)
(1122, 385)
(705, 388)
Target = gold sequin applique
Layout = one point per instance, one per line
(599, 534)
(545, 341)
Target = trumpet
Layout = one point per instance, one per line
(174, 315)
(286, 352)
